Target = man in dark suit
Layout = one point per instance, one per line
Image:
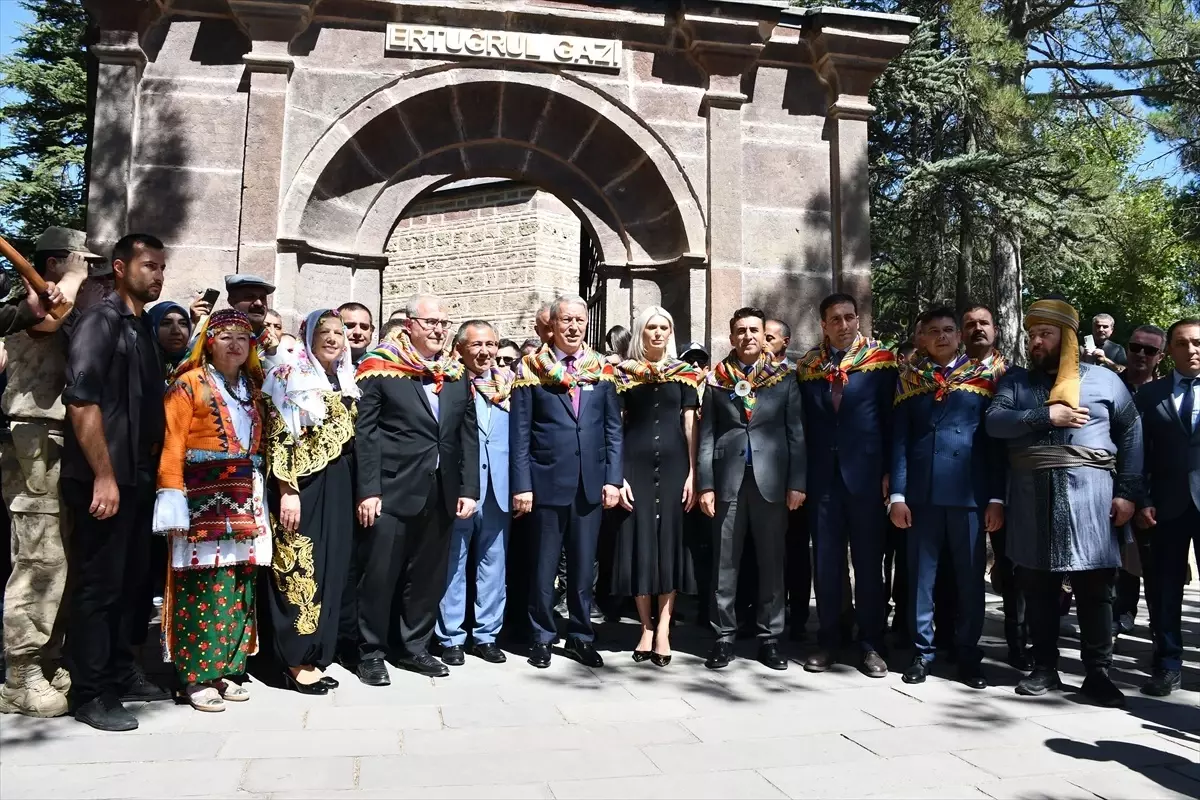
(750, 473)
(565, 425)
(947, 486)
(847, 384)
(1170, 409)
(418, 469)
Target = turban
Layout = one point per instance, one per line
(1063, 316)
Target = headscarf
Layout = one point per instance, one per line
(1063, 316)
(157, 314)
(227, 319)
(298, 388)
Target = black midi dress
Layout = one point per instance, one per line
(649, 553)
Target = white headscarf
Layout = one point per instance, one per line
(297, 387)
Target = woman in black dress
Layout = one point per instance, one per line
(658, 393)
(311, 493)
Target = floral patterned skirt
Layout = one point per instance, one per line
(208, 621)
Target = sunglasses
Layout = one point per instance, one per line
(504, 361)
(1144, 349)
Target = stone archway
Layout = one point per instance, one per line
(534, 126)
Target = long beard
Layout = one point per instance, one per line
(1046, 362)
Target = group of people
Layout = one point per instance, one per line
(334, 496)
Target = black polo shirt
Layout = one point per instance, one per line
(112, 362)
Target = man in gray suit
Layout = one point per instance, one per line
(751, 468)
(1170, 410)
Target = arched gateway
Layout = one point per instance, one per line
(714, 151)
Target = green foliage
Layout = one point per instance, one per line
(45, 122)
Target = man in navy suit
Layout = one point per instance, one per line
(1170, 409)
(846, 386)
(947, 486)
(483, 537)
(566, 466)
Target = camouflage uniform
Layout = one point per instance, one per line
(40, 529)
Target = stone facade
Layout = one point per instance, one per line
(495, 253)
(722, 161)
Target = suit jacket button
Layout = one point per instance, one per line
(576, 452)
(484, 466)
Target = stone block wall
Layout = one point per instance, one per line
(495, 253)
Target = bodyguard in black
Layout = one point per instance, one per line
(114, 397)
(1170, 409)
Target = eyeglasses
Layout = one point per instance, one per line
(430, 322)
(504, 361)
(1144, 349)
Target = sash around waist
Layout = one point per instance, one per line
(1061, 456)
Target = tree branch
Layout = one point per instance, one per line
(1108, 94)
(1114, 66)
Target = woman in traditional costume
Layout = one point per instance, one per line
(658, 395)
(310, 436)
(210, 505)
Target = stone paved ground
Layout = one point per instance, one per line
(632, 730)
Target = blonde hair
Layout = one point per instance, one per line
(637, 349)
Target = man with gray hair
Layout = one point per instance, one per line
(1104, 351)
(541, 323)
(566, 467)
(482, 537)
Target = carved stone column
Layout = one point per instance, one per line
(726, 49)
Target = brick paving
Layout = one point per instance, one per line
(633, 730)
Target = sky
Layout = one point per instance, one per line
(1155, 160)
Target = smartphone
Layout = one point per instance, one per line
(211, 296)
(1089, 343)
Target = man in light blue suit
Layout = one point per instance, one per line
(483, 537)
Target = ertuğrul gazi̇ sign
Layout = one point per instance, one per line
(567, 51)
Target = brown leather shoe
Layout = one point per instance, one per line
(819, 661)
(873, 665)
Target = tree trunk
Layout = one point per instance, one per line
(966, 235)
(1006, 279)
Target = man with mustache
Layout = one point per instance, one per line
(1170, 409)
(1075, 469)
(114, 397)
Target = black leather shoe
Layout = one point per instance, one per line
(584, 653)
(373, 672)
(454, 656)
(317, 688)
(972, 676)
(819, 661)
(642, 655)
(720, 655)
(539, 655)
(873, 665)
(332, 683)
(489, 652)
(423, 664)
(1100, 689)
(1038, 682)
(917, 670)
(106, 714)
(768, 656)
(1018, 658)
(141, 690)
(660, 660)
(1162, 682)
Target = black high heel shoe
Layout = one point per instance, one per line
(642, 655)
(320, 687)
(332, 683)
(660, 660)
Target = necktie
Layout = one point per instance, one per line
(836, 387)
(569, 361)
(1187, 402)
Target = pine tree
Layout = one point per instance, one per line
(42, 179)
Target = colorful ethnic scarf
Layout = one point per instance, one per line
(733, 376)
(542, 368)
(963, 374)
(496, 386)
(864, 355)
(399, 359)
(629, 374)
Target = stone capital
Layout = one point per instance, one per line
(119, 52)
(269, 22)
(726, 49)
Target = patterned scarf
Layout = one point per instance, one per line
(962, 374)
(399, 359)
(629, 374)
(542, 368)
(495, 385)
(733, 376)
(864, 355)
